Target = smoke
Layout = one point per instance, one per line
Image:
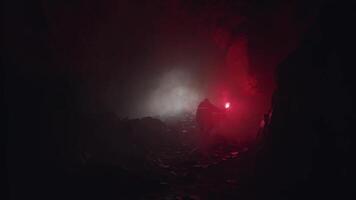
(160, 58)
(176, 92)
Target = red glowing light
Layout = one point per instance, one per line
(227, 105)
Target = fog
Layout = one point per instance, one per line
(176, 92)
(160, 58)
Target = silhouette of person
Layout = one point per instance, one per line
(206, 116)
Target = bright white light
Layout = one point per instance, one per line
(227, 105)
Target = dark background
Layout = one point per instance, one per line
(65, 61)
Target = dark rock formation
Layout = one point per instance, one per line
(308, 146)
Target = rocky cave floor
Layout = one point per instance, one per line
(169, 167)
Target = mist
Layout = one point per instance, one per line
(137, 59)
(101, 96)
(176, 93)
